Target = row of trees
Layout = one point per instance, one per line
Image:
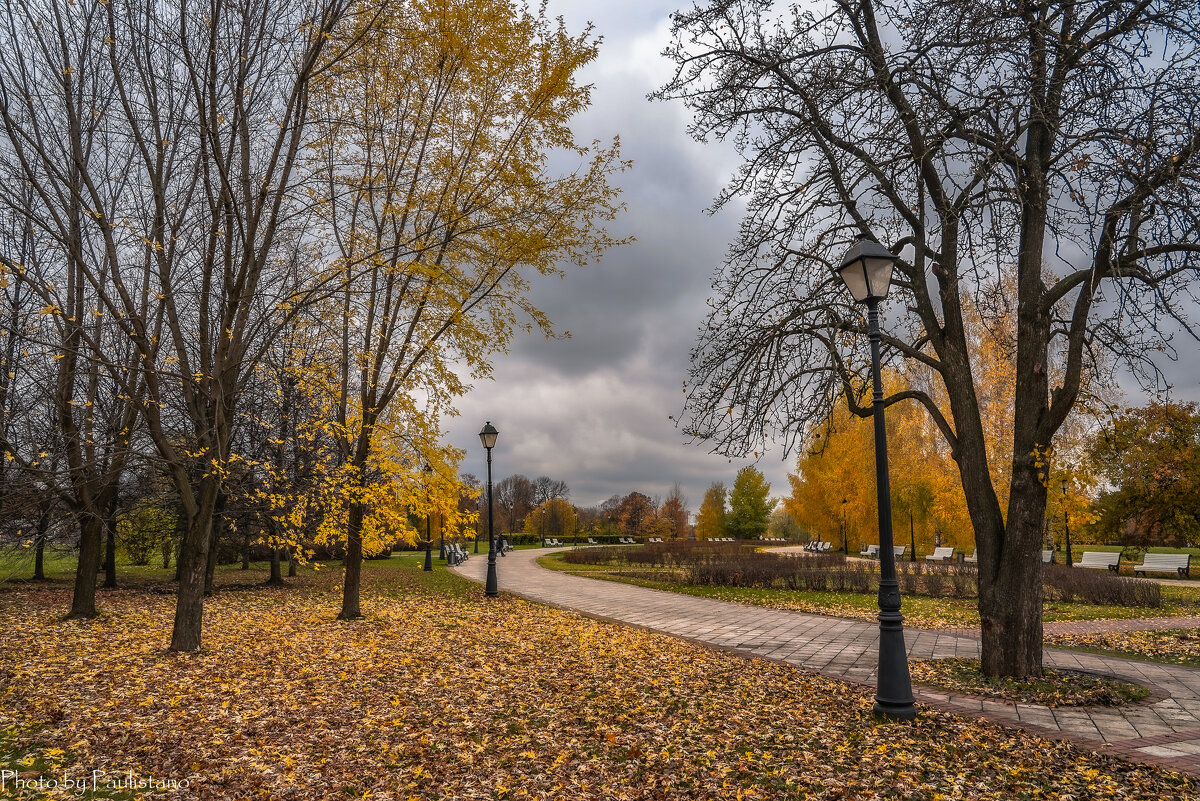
(542, 508)
(254, 250)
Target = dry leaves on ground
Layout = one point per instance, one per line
(1174, 646)
(455, 696)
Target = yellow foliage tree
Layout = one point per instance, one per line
(440, 199)
(554, 518)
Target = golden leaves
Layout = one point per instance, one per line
(438, 695)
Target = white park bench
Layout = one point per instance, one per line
(898, 551)
(973, 558)
(869, 552)
(941, 554)
(1164, 563)
(1100, 560)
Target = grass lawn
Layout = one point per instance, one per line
(919, 611)
(442, 693)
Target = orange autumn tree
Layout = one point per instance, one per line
(441, 199)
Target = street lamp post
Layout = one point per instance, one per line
(845, 531)
(866, 269)
(1066, 524)
(428, 538)
(488, 437)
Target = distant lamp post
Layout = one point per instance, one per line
(428, 537)
(866, 269)
(1066, 524)
(488, 437)
(845, 531)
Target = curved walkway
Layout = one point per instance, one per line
(1166, 731)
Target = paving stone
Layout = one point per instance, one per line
(847, 650)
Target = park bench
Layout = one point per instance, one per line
(941, 555)
(825, 547)
(455, 554)
(1164, 563)
(973, 558)
(899, 551)
(592, 541)
(1099, 560)
(869, 552)
(505, 547)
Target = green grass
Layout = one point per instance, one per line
(1055, 688)
(919, 611)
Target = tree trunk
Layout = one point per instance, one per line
(353, 563)
(246, 551)
(1010, 607)
(39, 550)
(39, 559)
(192, 567)
(83, 602)
(291, 564)
(110, 552)
(276, 579)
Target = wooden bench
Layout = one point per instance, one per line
(455, 554)
(941, 555)
(898, 551)
(1100, 560)
(1164, 563)
(869, 552)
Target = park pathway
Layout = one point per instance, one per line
(1165, 731)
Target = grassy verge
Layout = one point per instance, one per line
(442, 693)
(1055, 688)
(1173, 646)
(919, 611)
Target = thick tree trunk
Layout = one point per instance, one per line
(192, 568)
(291, 564)
(353, 563)
(1010, 604)
(83, 602)
(276, 579)
(39, 560)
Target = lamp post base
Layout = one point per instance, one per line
(893, 696)
(492, 587)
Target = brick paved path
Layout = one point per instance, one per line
(1166, 731)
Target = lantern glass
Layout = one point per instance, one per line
(488, 435)
(866, 270)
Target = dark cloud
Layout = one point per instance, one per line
(593, 410)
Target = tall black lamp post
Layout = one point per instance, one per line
(866, 269)
(845, 531)
(488, 437)
(1066, 524)
(428, 537)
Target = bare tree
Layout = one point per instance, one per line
(1033, 157)
(168, 144)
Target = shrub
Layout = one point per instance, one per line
(1068, 584)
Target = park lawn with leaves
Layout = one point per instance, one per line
(1174, 646)
(919, 611)
(1054, 688)
(440, 693)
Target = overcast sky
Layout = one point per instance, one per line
(593, 410)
